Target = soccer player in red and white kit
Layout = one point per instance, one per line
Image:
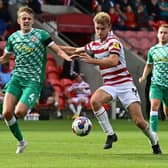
(81, 92)
(108, 53)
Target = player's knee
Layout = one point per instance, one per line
(7, 115)
(93, 102)
(20, 113)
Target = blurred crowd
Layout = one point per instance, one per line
(131, 14)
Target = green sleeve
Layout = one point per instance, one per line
(149, 57)
(9, 47)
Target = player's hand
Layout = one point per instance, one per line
(141, 79)
(86, 58)
(75, 56)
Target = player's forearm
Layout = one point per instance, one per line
(105, 62)
(4, 58)
(68, 49)
(60, 52)
(147, 70)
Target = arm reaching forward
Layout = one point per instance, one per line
(147, 70)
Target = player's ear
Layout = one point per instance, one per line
(18, 21)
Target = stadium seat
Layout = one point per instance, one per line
(66, 82)
(2, 44)
(55, 82)
(51, 62)
(130, 34)
(52, 75)
(50, 57)
(51, 69)
(75, 22)
(77, 27)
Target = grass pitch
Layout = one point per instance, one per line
(53, 145)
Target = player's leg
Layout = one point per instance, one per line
(165, 103)
(155, 104)
(9, 117)
(136, 115)
(20, 111)
(165, 110)
(156, 96)
(28, 99)
(13, 92)
(72, 106)
(81, 104)
(97, 100)
(129, 97)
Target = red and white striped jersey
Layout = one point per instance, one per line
(113, 75)
(81, 89)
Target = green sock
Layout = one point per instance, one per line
(154, 121)
(14, 128)
(16, 131)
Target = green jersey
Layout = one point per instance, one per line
(30, 54)
(158, 56)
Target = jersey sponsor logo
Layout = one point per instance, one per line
(24, 48)
(161, 59)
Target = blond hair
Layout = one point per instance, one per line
(102, 18)
(24, 9)
(163, 25)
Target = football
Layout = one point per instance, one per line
(82, 126)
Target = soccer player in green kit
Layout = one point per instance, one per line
(29, 47)
(157, 63)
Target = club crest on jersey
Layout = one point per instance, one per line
(116, 46)
(33, 38)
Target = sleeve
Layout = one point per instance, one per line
(114, 46)
(46, 38)
(88, 49)
(149, 57)
(9, 47)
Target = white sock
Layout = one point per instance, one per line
(59, 114)
(103, 120)
(79, 108)
(151, 135)
(72, 108)
(11, 121)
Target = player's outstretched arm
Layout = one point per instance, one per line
(4, 58)
(147, 70)
(60, 52)
(68, 49)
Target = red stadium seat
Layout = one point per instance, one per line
(78, 27)
(66, 82)
(2, 44)
(51, 62)
(55, 82)
(52, 75)
(75, 22)
(51, 69)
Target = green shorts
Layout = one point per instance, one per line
(25, 91)
(159, 92)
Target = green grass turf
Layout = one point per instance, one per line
(53, 145)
